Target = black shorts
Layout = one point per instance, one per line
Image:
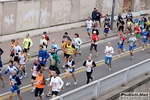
(33, 77)
(16, 59)
(26, 50)
(67, 55)
(42, 65)
(55, 93)
(12, 54)
(93, 45)
(38, 91)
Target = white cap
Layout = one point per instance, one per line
(43, 35)
(94, 31)
(132, 33)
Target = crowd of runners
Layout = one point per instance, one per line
(134, 31)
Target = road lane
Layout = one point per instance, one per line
(80, 60)
(100, 71)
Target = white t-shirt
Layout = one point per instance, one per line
(56, 83)
(89, 64)
(17, 50)
(43, 41)
(77, 42)
(132, 41)
(22, 59)
(109, 51)
(89, 23)
(34, 73)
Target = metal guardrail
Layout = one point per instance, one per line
(101, 86)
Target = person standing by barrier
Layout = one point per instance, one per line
(108, 58)
(89, 64)
(1, 65)
(15, 85)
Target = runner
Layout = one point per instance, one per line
(141, 24)
(108, 58)
(52, 68)
(12, 49)
(17, 50)
(54, 46)
(15, 85)
(69, 50)
(89, 24)
(95, 29)
(54, 57)
(77, 42)
(144, 38)
(70, 70)
(40, 82)
(65, 37)
(56, 83)
(129, 15)
(98, 18)
(122, 40)
(46, 36)
(36, 67)
(1, 65)
(42, 56)
(89, 64)
(10, 68)
(107, 19)
(138, 34)
(106, 28)
(22, 63)
(27, 42)
(95, 38)
(43, 42)
(132, 41)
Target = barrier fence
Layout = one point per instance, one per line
(101, 86)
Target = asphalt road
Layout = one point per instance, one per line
(99, 72)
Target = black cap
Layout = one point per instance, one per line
(44, 32)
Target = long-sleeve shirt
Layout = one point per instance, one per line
(43, 55)
(27, 42)
(109, 51)
(56, 83)
(10, 69)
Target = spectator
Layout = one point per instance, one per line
(94, 13)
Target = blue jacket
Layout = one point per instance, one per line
(43, 55)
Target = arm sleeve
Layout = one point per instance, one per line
(112, 52)
(94, 64)
(73, 46)
(61, 82)
(47, 55)
(31, 43)
(80, 41)
(84, 64)
(6, 70)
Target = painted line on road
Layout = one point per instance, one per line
(78, 70)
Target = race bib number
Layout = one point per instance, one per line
(120, 42)
(88, 69)
(144, 37)
(40, 58)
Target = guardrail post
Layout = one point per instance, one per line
(126, 76)
(97, 89)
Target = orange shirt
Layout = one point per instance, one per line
(39, 80)
(63, 46)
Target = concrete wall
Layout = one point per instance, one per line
(45, 13)
(1, 15)
(9, 18)
(28, 13)
(61, 10)
(24, 16)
